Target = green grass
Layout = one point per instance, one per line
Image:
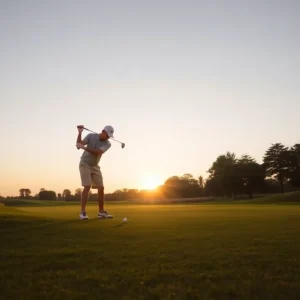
(194, 251)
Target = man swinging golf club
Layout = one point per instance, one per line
(94, 145)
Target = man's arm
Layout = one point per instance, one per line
(96, 152)
(79, 139)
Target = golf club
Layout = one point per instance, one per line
(122, 144)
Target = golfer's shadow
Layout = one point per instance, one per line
(118, 225)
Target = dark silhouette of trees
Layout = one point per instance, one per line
(278, 163)
(182, 187)
(294, 174)
(47, 195)
(230, 176)
(66, 193)
(25, 193)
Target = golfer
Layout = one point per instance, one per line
(94, 145)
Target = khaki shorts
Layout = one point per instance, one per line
(90, 175)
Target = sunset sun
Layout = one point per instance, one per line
(150, 181)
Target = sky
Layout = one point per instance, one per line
(181, 82)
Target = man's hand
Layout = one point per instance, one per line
(80, 128)
(79, 146)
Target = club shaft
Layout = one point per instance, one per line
(89, 130)
(96, 133)
(116, 140)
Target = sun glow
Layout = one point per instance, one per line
(150, 181)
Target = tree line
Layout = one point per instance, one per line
(229, 176)
(25, 193)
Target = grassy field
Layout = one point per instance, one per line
(195, 251)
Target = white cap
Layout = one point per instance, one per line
(109, 130)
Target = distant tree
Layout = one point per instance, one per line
(66, 193)
(189, 186)
(277, 162)
(201, 182)
(42, 190)
(116, 195)
(22, 193)
(219, 165)
(59, 196)
(184, 186)
(132, 194)
(78, 191)
(172, 187)
(251, 173)
(296, 152)
(27, 193)
(294, 175)
(231, 176)
(271, 186)
(232, 180)
(246, 159)
(77, 194)
(213, 187)
(47, 195)
(189, 179)
(220, 173)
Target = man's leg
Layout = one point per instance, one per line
(102, 213)
(86, 181)
(101, 199)
(84, 197)
(98, 181)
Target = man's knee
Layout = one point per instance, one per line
(101, 189)
(86, 188)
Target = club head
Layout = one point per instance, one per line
(123, 145)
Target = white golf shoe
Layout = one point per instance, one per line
(104, 215)
(83, 216)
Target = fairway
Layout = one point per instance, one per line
(192, 251)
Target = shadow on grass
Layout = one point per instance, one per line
(118, 225)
